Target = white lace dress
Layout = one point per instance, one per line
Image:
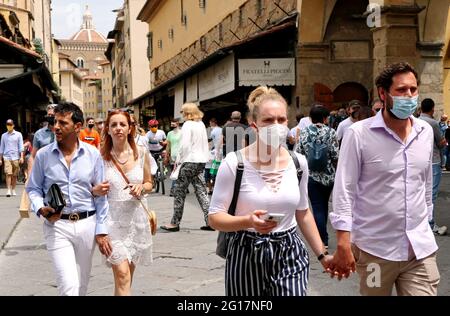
(128, 224)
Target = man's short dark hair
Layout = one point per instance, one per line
(427, 105)
(318, 114)
(384, 80)
(89, 118)
(69, 107)
(354, 103)
(299, 116)
(213, 119)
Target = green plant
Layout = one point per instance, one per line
(37, 43)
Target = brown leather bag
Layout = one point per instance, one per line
(153, 222)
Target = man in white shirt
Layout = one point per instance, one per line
(156, 138)
(382, 195)
(353, 106)
(304, 122)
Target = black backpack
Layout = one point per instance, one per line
(223, 237)
(317, 156)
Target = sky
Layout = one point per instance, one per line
(67, 16)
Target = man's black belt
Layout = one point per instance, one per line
(77, 216)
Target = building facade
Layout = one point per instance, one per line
(128, 47)
(26, 83)
(337, 48)
(106, 79)
(86, 48)
(42, 27)
(215, 52)
(97, 92)
(92, 96)
(86, 51)
(70, 81)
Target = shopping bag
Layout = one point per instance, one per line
(175, 172)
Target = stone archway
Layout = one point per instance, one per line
(350, 91)
(335, 46)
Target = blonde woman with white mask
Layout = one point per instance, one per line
(266, 257)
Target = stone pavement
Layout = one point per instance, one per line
(184, 262)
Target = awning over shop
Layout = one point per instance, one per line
(210, 60)
(217, 79)
(23, 75)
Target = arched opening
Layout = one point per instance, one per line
(350, 91)
(80, 62)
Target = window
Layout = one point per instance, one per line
(259, 7)
(220, 32)
(182, 13)
(184, 19)
(150, 45)
(203, 43)
(80, 62)
(171, 33)
(202, 4)
(241, 16)
(160, 43)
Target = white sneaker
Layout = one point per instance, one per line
(13, 193)
(440, 230)
(8, 194)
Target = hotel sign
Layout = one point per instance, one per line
(267, 71)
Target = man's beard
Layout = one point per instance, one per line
(388, 110)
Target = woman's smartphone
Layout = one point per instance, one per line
(275, 217)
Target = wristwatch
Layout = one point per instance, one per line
(322, 255)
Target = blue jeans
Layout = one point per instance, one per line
(437, 173)
(319, 195)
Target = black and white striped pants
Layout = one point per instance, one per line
(276, 264)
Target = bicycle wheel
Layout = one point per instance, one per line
(161, 176)
(157, 176)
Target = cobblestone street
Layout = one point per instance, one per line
(184, 262)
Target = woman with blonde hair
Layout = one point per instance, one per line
(192, 156)
(128, 222)
(265, 254)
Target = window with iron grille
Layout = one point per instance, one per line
(171, 33)
(160, 43)
(149, 45)
(202, 4)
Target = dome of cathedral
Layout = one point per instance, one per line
(87, 32)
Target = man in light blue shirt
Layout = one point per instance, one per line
(11, 150)
(45, 135)
(75, 167)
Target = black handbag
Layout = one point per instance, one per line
(223, 237)
(55, 198)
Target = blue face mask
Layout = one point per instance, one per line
(403, 107)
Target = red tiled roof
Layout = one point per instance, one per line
(90, 36)
(19, 47)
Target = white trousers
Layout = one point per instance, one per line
(71, 246)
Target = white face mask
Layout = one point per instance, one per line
(273, 135)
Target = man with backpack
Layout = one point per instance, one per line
(319, 144)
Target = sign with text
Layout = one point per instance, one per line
(267, 71)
